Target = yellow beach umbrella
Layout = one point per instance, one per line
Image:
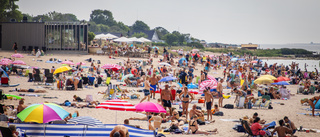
(62, 69)
(268, 76)
(263, 80)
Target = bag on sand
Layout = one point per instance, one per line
(228, 106)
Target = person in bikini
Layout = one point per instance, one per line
(157, 120)
(31, 90)
(185, 99)
(208, 101)
(194, 127)
(312, 104)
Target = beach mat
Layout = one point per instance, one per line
(230, 120)
(310, 114)
(10, 85)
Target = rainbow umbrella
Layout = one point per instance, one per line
(42, 113)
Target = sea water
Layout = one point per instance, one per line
(311, 64)
(311, 47)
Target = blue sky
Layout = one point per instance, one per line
(226, 21)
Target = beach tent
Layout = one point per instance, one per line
(109, 36)
(134, 39)
(181, 60)
(122, 39)
(99, 36)
(144, 39)
(86, 120)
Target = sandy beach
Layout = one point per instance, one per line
(291, 107)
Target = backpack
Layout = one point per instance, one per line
(228, 106)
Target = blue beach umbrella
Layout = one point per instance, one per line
(281, 83)
(234, 59)
(189, 86)
(168, 78)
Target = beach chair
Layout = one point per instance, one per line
(99, 80)
(30, 77)
(46, 72)
(247, 128)
(241, 102)
(85, 80)
(37, 78)
(6, 132)
(49, 79)
(4, 81)
(91, 80)
(37, 71)
(266, 104)
(257, 104)
(80, 85)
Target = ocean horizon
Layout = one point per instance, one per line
(307, 46)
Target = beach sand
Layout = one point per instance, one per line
(290, 109)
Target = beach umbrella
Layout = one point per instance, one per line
(282, 79)
(62, 69)
(182, 59)
(242, 59)
(208, 84)
(144, 39)
(195, 54)
(234, 59)
(189, 86)
(168, 78)
(6, 60)
(211, 78)
(19, 62)
(164, 64)
(4, 63)
(17, 55)
(116, 104)
(86, 120)
(254, 61)
(269, 76)
(150, 107)
(42, 113)
(195, 50)
(122, 39)
(82, 63)
(155, 47)
(174, 50)
(99, 36)
(107, 66)
(134, 39)
(281, 83)
(67, 62)
(109, 36)
(263, 80)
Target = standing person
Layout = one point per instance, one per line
(186, 95)
(15, 47)
(219, 89)
(119, 131)
(208, 101)
(183, 76)
(146, 89)
(153, 83)
(291, 125)
(166, 98)
(281, 130)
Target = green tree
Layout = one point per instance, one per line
(103, 28)
(30, 18)
(170, 38)
(91, 36)
(93, 27)
(161, 32)
(139, 35)
(9, 10)
(123, 26)
(140, 25)
(43, 18)
(102, 17)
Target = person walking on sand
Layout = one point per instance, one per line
(146, 89)
(15, 47)
(153, 83)
(208, 101)
(119, 131)
(220, 95)
(166, 98)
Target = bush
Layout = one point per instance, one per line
(160, 44)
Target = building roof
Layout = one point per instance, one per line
(148, 32)
(249, 45)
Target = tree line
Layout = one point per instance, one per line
(100, 21)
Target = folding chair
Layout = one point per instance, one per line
(46, 72)
(6, 132)
(30, 77)
(24, 48)
(85, 80)
(247, 128)
(91, 80)
(99, 80)
(266, 104)
(241, 102)
(49, 79)
(257, 104)
(80, 85)
(37, 78)
(4, 81)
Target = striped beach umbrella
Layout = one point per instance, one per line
(114, 67)
(19, 62)
(6, 60)
(86, 120)
(118, 105)
(67, 62)
(17, 55)
(208, 84)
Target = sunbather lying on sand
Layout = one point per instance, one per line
(32, 90)
(194, 127)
